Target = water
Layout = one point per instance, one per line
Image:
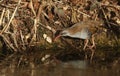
(105, 63)
(72, 68)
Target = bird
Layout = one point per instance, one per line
(85, 30)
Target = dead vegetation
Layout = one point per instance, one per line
(26, 23)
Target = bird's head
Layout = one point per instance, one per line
(60, 33)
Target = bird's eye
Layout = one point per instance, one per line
(57, 32)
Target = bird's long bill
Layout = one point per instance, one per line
(56, 37)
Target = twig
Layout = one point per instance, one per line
(20, 60)
(83, 13)
(31, 7)
(45, 14)
(6, 27)
(10, 44)
(35, 31)
(48, 27)
(8, 14)
(111, 5)
(2, 16)
(6, 6)
(15, 41)
(21, 35)
(40, 9)
(106, 18)
(14, 36)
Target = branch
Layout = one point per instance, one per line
(6, 27)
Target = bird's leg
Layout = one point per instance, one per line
(86, 44)
(93, 51)
(93, 46)
(93, 43)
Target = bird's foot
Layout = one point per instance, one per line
(90, 48)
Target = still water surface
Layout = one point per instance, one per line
(101, 67)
